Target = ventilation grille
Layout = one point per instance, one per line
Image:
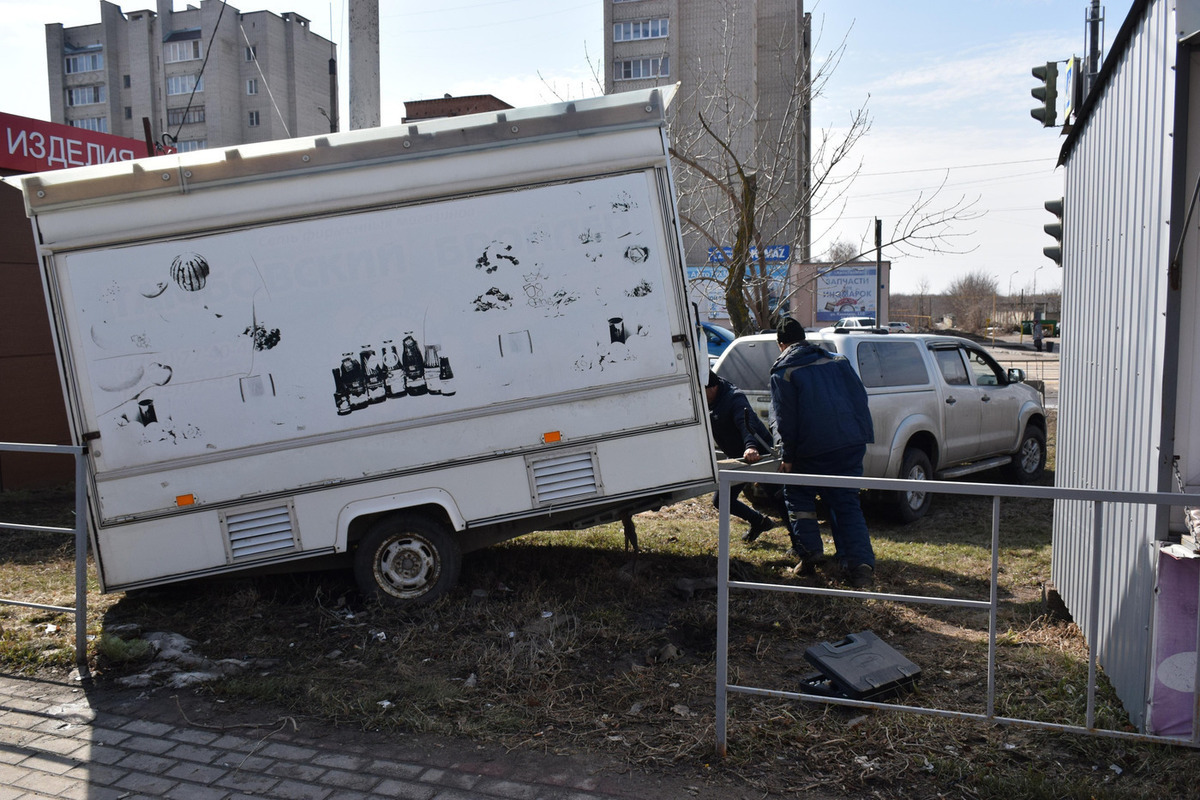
(564, 477)
(261, 532)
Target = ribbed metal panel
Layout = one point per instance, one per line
(1119, 184)
(562, 478)
(260, 532)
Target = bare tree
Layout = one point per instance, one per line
(971, 299)
(842, 252)
(924, 307)
(746, 178)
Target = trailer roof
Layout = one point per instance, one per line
(179, 172)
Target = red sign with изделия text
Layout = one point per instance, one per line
(34, 145)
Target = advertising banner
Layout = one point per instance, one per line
(846, 292)
(33, 145)
(708, 291)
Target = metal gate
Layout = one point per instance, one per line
(1098, 499)
(80, 531)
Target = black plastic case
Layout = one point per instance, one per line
(860, 667)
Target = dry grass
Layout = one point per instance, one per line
(563, 642)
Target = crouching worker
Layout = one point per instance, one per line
(739, 433)
(820, 412)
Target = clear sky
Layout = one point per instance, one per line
(946, 83)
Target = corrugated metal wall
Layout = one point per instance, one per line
(1116, 250)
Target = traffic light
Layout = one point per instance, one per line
(1046, 94)
(1055, 229)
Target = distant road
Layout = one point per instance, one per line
(1042, 366)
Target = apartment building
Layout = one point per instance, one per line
(743, 68)
(207, 76)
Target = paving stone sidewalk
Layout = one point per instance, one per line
(64, 739)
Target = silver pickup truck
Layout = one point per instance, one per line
(941, 406)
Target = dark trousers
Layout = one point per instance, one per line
(736, 506)
(849, 526)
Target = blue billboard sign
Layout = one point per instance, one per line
(776, 253)
(708, 282)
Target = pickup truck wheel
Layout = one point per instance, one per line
(1029, 462)
(407, 559)
(911, 506)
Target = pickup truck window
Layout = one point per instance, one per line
(891, 364)
(987, 372)
(950, 362)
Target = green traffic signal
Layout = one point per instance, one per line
(1047, 94)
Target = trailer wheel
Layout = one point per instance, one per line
(407, 558)
(911, 506)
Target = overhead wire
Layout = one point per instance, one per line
(266, 83)
(199, 78)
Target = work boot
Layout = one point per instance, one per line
(807, 562)
(861, 576)
(757, 529)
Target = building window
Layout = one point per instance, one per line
(97, 124)
(252, 86)
(128, 112)
(182, 51)
(642, 29)
(253, 119)
(126, 81)
(187, 145)
(85, 95)
(184, 116)
(86, 62)
(636, 68)
(251, 52)
(183, 84)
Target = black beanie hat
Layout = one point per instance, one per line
(789, 331)
(712, 380)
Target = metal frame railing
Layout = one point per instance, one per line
(80, 531)
(996, 491)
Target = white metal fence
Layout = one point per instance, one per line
(80, 531)
(1098, 499)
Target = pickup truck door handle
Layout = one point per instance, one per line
(951, 400)
(987, 398)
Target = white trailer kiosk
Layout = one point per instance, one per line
(396, 345)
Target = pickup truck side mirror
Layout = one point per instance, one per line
(1016, 375)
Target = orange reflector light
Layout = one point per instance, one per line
(185, 500)
(551, 437)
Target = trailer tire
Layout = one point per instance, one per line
(911, 506)
(407, 559)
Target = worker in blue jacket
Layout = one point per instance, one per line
(823, 426)
(739, 433)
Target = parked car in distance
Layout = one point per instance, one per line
(850, 323)
(941, 406)
(718, 339)
(899, 327)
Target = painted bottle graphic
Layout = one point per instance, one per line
(341, 396)
(414, 365)
(373, 370)
(393, 379)
(433, 366)
(446, 377)
(354, 380)
(617, 331)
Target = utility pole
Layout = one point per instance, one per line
(880, 321)
(1094, 19)
(364, 64)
